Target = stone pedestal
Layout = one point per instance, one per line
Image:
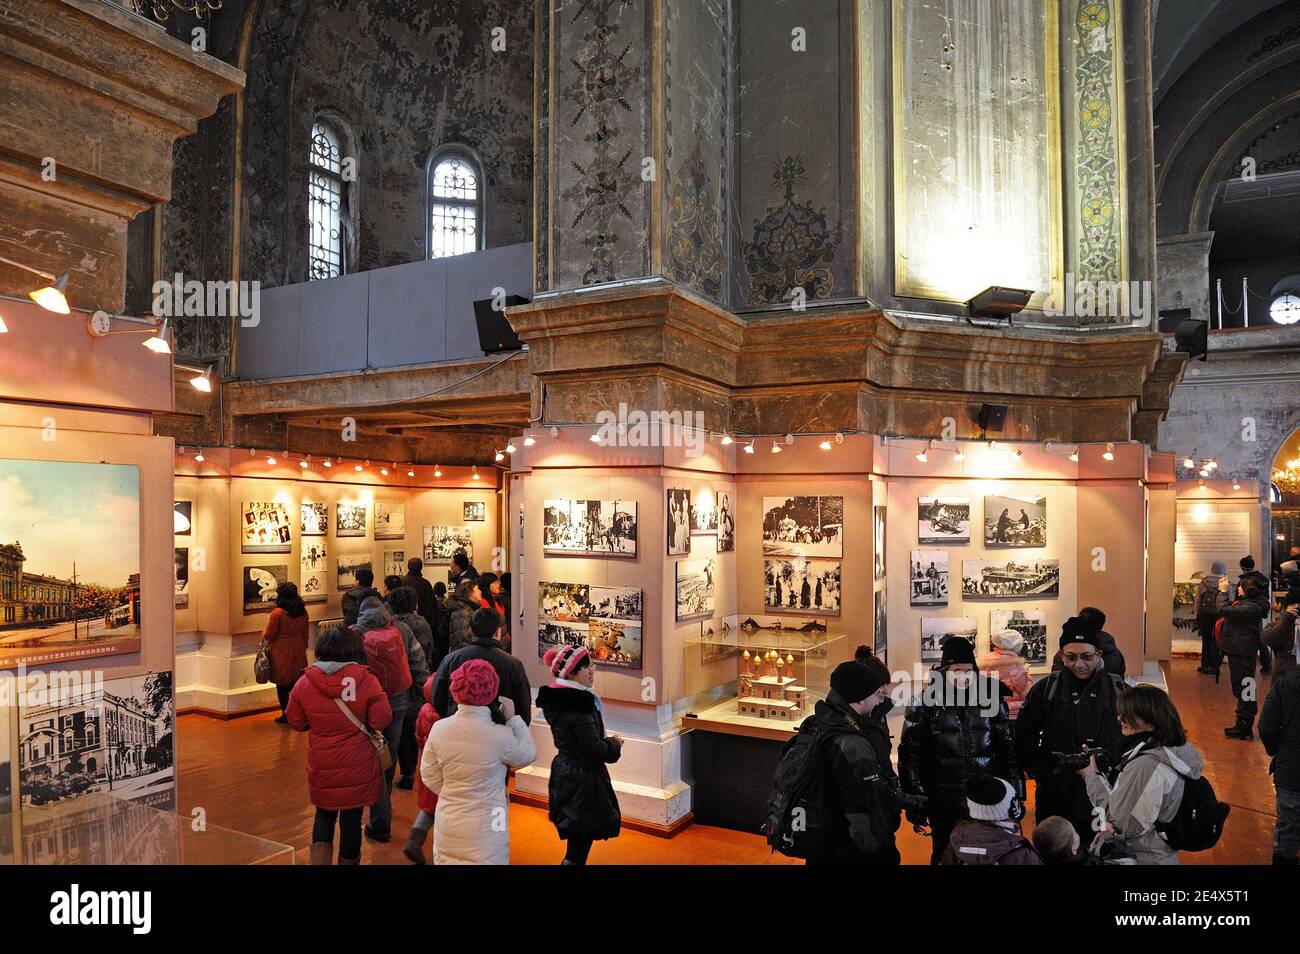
(1183, 263)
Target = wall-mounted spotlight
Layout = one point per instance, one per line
(726, 439)
(998, 301)
(499, 457)
(1110, 452)
(475, 474)
(51, 297)
(198, 457)
(305, 462)
(437, 471)
(776, 448)
(529, 441)
(923, 454)
(749, 448)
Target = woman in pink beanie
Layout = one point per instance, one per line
(1004, 661)
(465, 762)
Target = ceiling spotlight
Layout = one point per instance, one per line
(203, 382)
(1211, 464)
(825, 445)
(776, 448)
(410, 471)
(475, 474)
(53, 297)
(555, 432)
(1201, 482)
(1205, 472)
(1110, 452)
(1188, 463)
(437, 471)
(270, 460)
(726, 439)
(305, 462)
(157, 342)
(749, 448)
(383, 471)
(922, 455)
(595, 437)
(529, 441)
(510, 447)
(1074, 455)
(358, 468)
(1236, 485)
(500, 457)
(328, 462)
(959, 456)
(198, 457)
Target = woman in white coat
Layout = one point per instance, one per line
(465, 761)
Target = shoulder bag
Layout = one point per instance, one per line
(376, 738)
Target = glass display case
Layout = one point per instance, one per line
(758, 675)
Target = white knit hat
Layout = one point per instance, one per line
(984, 788)
(1007, 639)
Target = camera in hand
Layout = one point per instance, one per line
(1073, 761)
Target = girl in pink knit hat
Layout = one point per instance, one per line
(465, 762)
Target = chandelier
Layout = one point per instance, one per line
(1288, 478)
(160, 8)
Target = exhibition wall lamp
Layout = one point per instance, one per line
(202, 380)
(923, 454)
(100, 325)
(51, 297)
(1110, 452)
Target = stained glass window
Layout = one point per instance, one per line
(455, 204)
(326, 203)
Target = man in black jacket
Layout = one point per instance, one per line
(1111, 657)
(862, 791)
(957, 729)
(1279, 730)
(461, 568)
(428, 604)
(485, 625)
(1240, 641)
(354, 597)
(1063, 713)
(1248, 574)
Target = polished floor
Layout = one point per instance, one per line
(249, 775)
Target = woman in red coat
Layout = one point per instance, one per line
(286, 640)
(343, 774)
(428, 800)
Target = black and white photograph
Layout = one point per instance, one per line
(346, 568)
(315, 519)
(937, 630)
(1009, 579)
(441, 543)
(182, 517)
(803, 526)
(695, 589)
(589, 528)
(1032, 625)
(614, 626)
(943, 520)
(717, 638)
(880, 624)
(390, 520)
(1015, 521)
(314, 572)
(394, 563)
(349, 519)
(181, 576)
(474, 511)
(552, 633)
(264, 527)
(113, 736)
(929, 578)
(794, 585)
(259, 586)
(704, 512)
(679, 521)
(878, 542)
(563, 611)
(726, 522)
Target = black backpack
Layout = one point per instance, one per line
(1199, 822)
(796, 816)
(1207, 599)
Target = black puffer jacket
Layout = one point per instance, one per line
(583, 804)
(1279, 730)
(1242, 620)
(942, 746)
(1279, 636)
(460, 611)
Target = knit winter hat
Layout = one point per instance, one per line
(1248, 563)
(855, 681)
(1007, 639)
(565, 661)
(989, 798)
(475, 683)
(957, 649)
(1218, 568)
(1076, 630)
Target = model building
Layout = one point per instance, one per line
(767, 688)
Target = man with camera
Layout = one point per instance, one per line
(1067, 719)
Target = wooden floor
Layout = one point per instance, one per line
(249, 775)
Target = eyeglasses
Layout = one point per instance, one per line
(1079, 657)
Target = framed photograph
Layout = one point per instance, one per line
(441, 543)
(803, 526)
(390, 520)
(679, 522)
(589, 528)
(264, 527)
(1009, 579)
(349, 520)
(346, 569)
(182, 517)
(713, 633)
(695, 591)
(614, 626)
(315, 519)
(937, 630)
(563, 611)
(1015, 522)
(878, 542)
(943, 520)
(123, 735)
(792, 585)
(314, 575)
(394, 563)
(726, 522)
(521, 521)
(704, 512)
(181, 577)
(475, 511)
(880, 624)
(259, 586)
(1032, 625)
(929, 578)
(69, 561)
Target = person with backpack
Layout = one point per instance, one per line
(1144, 791)
(390, 659)
(1239, 638)
(990, 835)
(403, 603)
(1064, 713)
(1279, 730)
(958, 728)
(1207, 614)
(837, 800)
(1248, 575)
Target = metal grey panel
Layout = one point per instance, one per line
(333, 320)
(408, 312)
(272, 344)
(508, 267)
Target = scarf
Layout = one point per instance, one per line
(570, 684)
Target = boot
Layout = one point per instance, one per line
(1242, 733)
(406, 783)
(414, 848)
(349, 861)
(321, 852)
(1288, 860)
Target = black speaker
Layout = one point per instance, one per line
(494, 333)
(1193, 338)
(989, 417)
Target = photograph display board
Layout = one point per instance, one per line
(880, 623)
(1203, 535)
(181, 577)
(182, 517)
(696, 589)
(589, 528)
(315, 569)
(441, 543)
(679, 521)
(791, 585)
(929, 578)
(803, 526)
(315, 519)
(394, 563)
(264, 527)
(943, 520)
(605, 619)
(259, 586)
(70, 536)
(1032, 625)
(704, 512)
(935, 631)
(1009, 579)
(347, 567)
(390, 520)
(878, 543)
(726, 522)
(349, 520)
(474, 511)
(1015, 522)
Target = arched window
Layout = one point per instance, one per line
(455, 190)
(326, 203)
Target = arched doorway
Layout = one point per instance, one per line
(1285, 498)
